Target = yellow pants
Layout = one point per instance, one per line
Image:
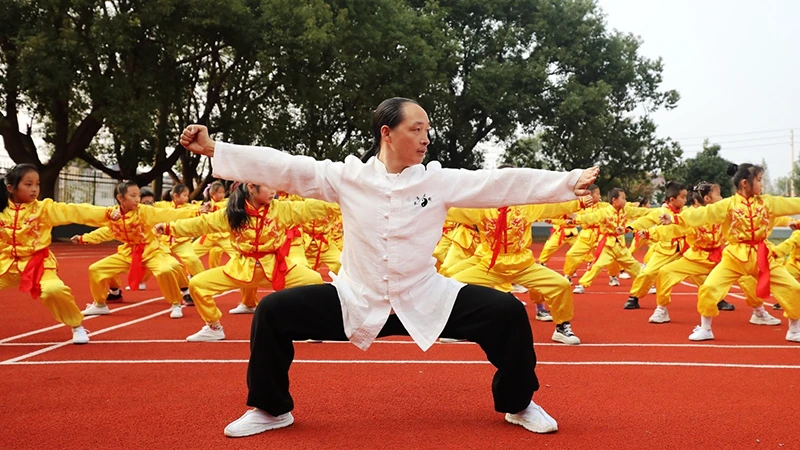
(186, 253)
(581, 251)
(552, 246)
(56, 296)
(455, 255)
(677, 271)
(164, 267)
(440, 252)
(783, 286)
(331, 257)
(618, 253)
(205, 286)
(647, 277)
(214, 248)
(555, 289)
(793, 270)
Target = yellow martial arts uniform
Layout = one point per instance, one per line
(560, 234)
(505, 253)
(610, 225)
(135, 231)
(25, 259)
(317, 238)
(182, 247)
(214, 244)
(260, 245)
(464, 242)
(746, 225)
(704, 252)
(440, 252)
(664, 251)
(586, 242)
(790, 249)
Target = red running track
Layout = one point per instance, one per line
(630, 385)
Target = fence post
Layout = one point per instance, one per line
(94, 187)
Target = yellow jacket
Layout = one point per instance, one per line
(318, 233)
(746, 223)
(514, 252)
(589, 234)
(791, 248)
(653, 218)
(606, 221)
(136, 228)
(705, 242)
(256, 244)
(195, 207)
(26, 228)
(215, 237)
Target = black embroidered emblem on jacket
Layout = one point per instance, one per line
(422, 201)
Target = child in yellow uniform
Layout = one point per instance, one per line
(664, 252)
(704, 252)
(560, 234)
(440, 252)
(506, 257)
(258, 223)
(140, 251)
(610, 225)
(26, 263)
(215, 244)
(587, 240)
(747, 219)
(318, 241)
(182, 247)
(789, 249)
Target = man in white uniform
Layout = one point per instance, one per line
(393, 208)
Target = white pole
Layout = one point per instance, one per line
(791, 170)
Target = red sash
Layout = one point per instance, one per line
(136, 273)
(32, 275)
(762, 260)
(500, 234)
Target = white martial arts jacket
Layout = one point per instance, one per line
(392, 223)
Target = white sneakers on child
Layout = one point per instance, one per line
(701, 334)
(257, 421)
(93, 309)
(579, 289)
(652, 290)
(142, 287)
(613, 281)
(660, 315)
(533, 418)
(764, 318)
(208, 334)
(175, 311)
(625, 275)
(242, 309)
(80, 335)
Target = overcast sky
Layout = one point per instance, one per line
(736, 65)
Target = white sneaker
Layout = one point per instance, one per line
(793, 335)
(242, 309)
(564, 334)
(257, 421)
(208, 334)
(660, 315)
(764, 318)
(625, 275)
(533, 418)
(176, 312)
(79, 335)
(93, 309)
(517, 289)
(652, 290)
(579, 289)
(543, 315)
(142, 287)
(701, 334)
(613, 281)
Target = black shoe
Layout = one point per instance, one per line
(776, 306)
(187, 300)
(114, 298)
(725, 306)
(632, 303)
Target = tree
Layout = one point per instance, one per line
(525, 152)
(706, 166)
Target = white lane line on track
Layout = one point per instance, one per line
(426, 362)
(544, 344)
